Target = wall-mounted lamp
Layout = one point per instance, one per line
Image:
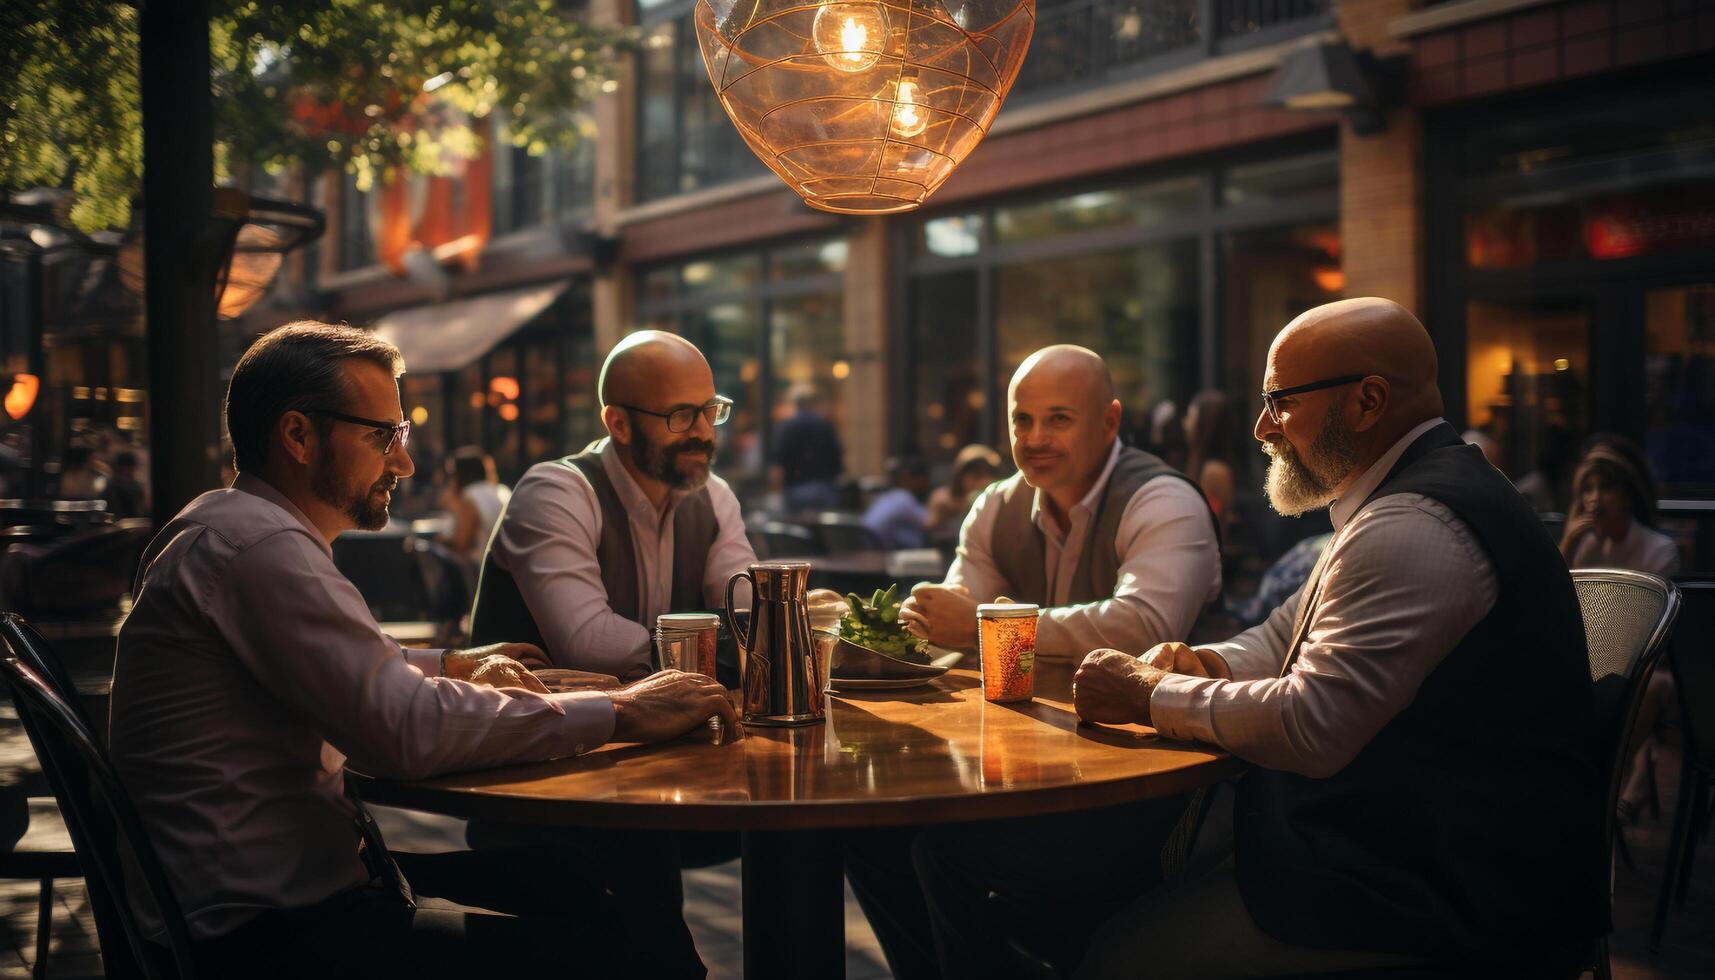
(1329, 75)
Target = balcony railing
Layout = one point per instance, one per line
(1083, 41)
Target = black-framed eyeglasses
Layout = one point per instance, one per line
(397, 435)
(682, 418)
(1269, 397)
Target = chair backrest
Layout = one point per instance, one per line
(845, 532)
(29, 646)
(1627, 619)
(782, 540)
(446, 591)
(1693, 651)
(99, 815)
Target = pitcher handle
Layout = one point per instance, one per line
(741, 636)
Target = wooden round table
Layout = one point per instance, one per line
(935, 754)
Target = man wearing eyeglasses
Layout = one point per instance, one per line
(593, 547)
(249, 671)
(1426, 778)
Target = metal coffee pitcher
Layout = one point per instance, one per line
(782, 679)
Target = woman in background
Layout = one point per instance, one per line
(475, 496)
(973, 470)
(1209, 461)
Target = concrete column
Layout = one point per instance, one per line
(868, 288)
(1381, 178)
(613, 295)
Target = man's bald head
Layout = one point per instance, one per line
(1064, 420)
(648, 377)
(1321, 440)
(1066, 368)
(1368, 335)
(649, 362)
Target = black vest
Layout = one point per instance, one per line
(500, 614)
(1020, 551)
(1469, 829)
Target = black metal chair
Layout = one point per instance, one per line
(42, 866)
(839, 533)
(1693, 655)
(105, 830)
(1627, 619)
(777, 539)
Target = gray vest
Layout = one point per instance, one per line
(1020, 550)
(501, 615)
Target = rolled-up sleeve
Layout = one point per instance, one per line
(547, 540)
(347, 679)
(1386, 617)
(1170, 568)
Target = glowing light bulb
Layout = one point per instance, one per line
(909, 118)
(850, 36)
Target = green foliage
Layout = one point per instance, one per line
(366, 85)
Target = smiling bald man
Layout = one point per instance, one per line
(1426, 783)
(1118, 548)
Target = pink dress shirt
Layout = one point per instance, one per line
(249, 671)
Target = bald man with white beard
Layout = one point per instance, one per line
(1427, 779)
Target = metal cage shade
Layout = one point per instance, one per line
(863, 107)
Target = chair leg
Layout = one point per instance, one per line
(1682, 823)
(44, 928)
(1654, 792)
(1699, 813)
(1602, 970)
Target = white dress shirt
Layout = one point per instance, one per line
(248, 671)
(1403, 581)
(548, 538)
(1170, 567)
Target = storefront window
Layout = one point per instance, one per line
(685, 141)
(1679, 427)
(1528, 388)
(946, 373)
(727, 335)
(1137, 307)
(541, 404)
(1584, 253)
(760, 335)
(1270, 275)
(1282, 179)
(808, 348)
(502, 397)
(952, 236)
(1118, 269)
(1140, 205)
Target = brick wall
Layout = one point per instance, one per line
(1548, 44)
(1197, 121)
(1381, 180)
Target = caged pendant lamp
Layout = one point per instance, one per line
(863, 107)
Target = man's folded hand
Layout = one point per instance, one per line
(496, 665)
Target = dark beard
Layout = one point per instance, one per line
(1297, 485)
(363, 508)
(661, 462)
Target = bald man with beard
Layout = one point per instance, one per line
(1427, 779)
(594, 546)
(1118, 548)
